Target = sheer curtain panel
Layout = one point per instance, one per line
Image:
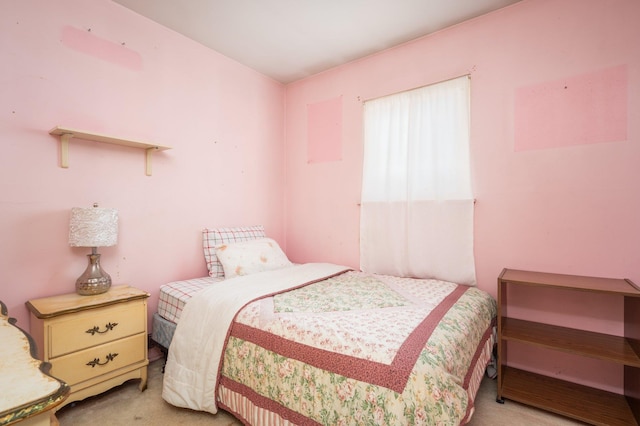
(417, 203)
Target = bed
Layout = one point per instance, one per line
(279, 343)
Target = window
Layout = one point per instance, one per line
(416, 191)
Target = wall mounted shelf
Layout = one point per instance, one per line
(66, 134)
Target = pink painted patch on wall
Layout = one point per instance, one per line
(116, 53)
(585, 109)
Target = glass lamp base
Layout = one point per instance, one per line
(94, 280)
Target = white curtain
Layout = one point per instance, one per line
(417, 203)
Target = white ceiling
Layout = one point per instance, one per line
(292, 39)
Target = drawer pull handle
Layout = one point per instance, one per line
(96, 329)
(96, 361)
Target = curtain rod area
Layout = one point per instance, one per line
(468, 75)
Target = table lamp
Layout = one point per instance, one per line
(93, 227)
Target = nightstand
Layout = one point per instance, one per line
(93, 343)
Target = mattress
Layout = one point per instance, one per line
(174, 295)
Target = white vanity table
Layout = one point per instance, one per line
(28, 393)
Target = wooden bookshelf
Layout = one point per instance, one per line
(580, 402)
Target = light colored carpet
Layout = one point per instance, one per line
(126, 405)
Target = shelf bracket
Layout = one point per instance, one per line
(149, 152)
(64, 150)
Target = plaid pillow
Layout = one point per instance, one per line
(217, 236)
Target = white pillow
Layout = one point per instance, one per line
(249, 257)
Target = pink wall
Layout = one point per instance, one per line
(95, 65)
(566, 209)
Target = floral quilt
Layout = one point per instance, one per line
(360, 348)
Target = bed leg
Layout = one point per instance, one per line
(165, 353)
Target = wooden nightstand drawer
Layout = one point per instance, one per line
(96, 361)
(96, 327)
